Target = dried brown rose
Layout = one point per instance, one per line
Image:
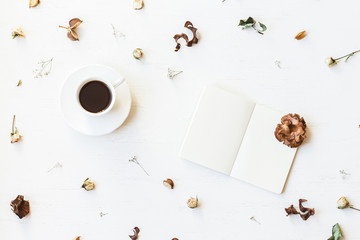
(194, 40)
(33, 3)
(300, 35)
(20, 207)
(136, 233)
(169, 183)
(193, 202)
(71, 33)
(306, 212)
(291, 131)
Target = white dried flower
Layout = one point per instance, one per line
(88, 185)
(330, 61)
(17, 32)
(192, 202)
(138, 4)
(342, 203)
(138, 53)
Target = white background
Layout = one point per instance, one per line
(241, 60)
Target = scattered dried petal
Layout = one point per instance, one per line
(192, 202)
(138, 53)
(77, 238)
(20, 207)
(306, 212)
(136, 233)
(300, 35)
(138, 4)
(291, 131)
(17, 32)
(194, 40)
(88, 185)
(175, 239)
(33, 3)
(168, 183)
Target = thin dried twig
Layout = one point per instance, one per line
(57, 165)
(173, 73)
(134, 160)
(44, 68)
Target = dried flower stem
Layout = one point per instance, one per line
(352, 207)
(347, 56)
(173, 73)
(103, 214)
(116, 32)
(57, 165)
(134, 160)
(13, 126)
(254, 219)
(44, 68)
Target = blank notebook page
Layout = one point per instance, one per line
(217, 129)
(263, 160)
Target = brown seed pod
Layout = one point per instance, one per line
(71, 33)
(300, 35)
(291, 131)
(169, 183)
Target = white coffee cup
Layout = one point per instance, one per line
(112, 85)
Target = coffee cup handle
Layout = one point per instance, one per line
(120, 81)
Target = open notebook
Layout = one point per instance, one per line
(233, 135)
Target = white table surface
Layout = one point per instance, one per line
(240, 60)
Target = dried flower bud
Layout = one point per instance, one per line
(342, 203)
(138, 53)
(168, 183)
(20, 207)
(138, 4)
(33, 3)
(77, 238)
(17, 32)
(88, 185)
(192, 202)
(330, 61)
(300, 35)
(16, 137)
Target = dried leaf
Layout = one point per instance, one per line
(291, 210)
(72, 35)
(251, 23)
(136, 233)
(300, 35)
(20, 207)
(19, 83)
(33, 3)
(336, 233)
(74, 23)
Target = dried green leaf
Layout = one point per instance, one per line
(247, 23)
(336, 233)
(251, 23)
(264, 28)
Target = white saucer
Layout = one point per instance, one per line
(94, 125)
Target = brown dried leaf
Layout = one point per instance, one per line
(20, 206)
(33, 3)
(72, 35)
(300, 35)
(136, 233)
(308, 214)
(291, 210)
(74, 23)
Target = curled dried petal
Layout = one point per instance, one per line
(308, 214)
(74, 23)
(302, 208)
(193, 29)
(136, 231)
(177, 37)
(138, 4)
(33, 3)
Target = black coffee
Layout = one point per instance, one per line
(95, 96)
